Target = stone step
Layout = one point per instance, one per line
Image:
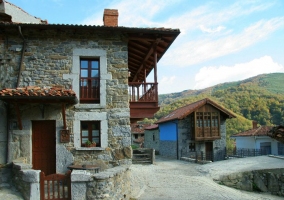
(141, 158)
(140, 162)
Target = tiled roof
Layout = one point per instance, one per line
(184, 111)
(37, 91)
(259, 131)
(33, 92)
(138, 128)
(139, 140)
(154, 126)
(84, 26)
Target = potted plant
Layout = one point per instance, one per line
(88, 143)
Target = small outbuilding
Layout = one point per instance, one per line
(257, 138)
(196, 127)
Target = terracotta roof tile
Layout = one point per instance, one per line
(154, 126)
(37, 91)
(139, 128)
(184, 111)
(259, 131)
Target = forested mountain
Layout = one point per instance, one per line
(260, 98)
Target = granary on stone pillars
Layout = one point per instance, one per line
(197, 129)
(62, 85)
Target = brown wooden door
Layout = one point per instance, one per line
(43, 141)
(209, 150)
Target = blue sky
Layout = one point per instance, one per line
(220, 40)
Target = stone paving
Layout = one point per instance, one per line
(181, 180)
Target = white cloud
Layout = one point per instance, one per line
(167, 84)
(211, 30)
(196, 51)
(212, 75)
(134, 13)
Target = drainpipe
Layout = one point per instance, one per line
(22, 56)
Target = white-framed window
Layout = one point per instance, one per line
(94, 127)
(101, 56)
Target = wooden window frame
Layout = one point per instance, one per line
(206, 122)
(89, 93)
(90, 137)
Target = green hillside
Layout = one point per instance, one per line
(260, 98)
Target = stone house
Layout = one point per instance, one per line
(257, 138)
(196, 127)
(62, 85)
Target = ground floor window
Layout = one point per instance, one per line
(90, 131)
(191, 146)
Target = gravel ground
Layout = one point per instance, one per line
(181, 180)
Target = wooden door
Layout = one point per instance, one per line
(43, 141)
(209, 150)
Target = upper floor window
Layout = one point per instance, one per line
(90, 130)
(89, 81)
(207, 125)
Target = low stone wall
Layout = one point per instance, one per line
(26, 180)
(5, 176)
(111, 184)
(267, 180)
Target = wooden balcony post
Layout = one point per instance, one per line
(155, 74)
(155, 64)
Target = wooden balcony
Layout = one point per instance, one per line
(143, 100)
(207, 133)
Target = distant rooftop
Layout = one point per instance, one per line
(13, 14)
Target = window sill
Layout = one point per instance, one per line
(90, 148)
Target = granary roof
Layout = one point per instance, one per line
(34, 94)
(259, 131)
(184, 111)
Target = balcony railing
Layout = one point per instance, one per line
(89, 90)
(143, 92)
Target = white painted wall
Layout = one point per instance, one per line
(252, 142)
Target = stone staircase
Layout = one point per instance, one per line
(143, 156)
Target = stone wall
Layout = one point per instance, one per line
(26, 180)
(5, 176)
(184, 134)
(3, 133)
(49, 61)
(221, 143)
(168, 148)
(267, 180)
(111, 184)
(149, 142)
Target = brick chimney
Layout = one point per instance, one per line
(254, 124)
(110, 17)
